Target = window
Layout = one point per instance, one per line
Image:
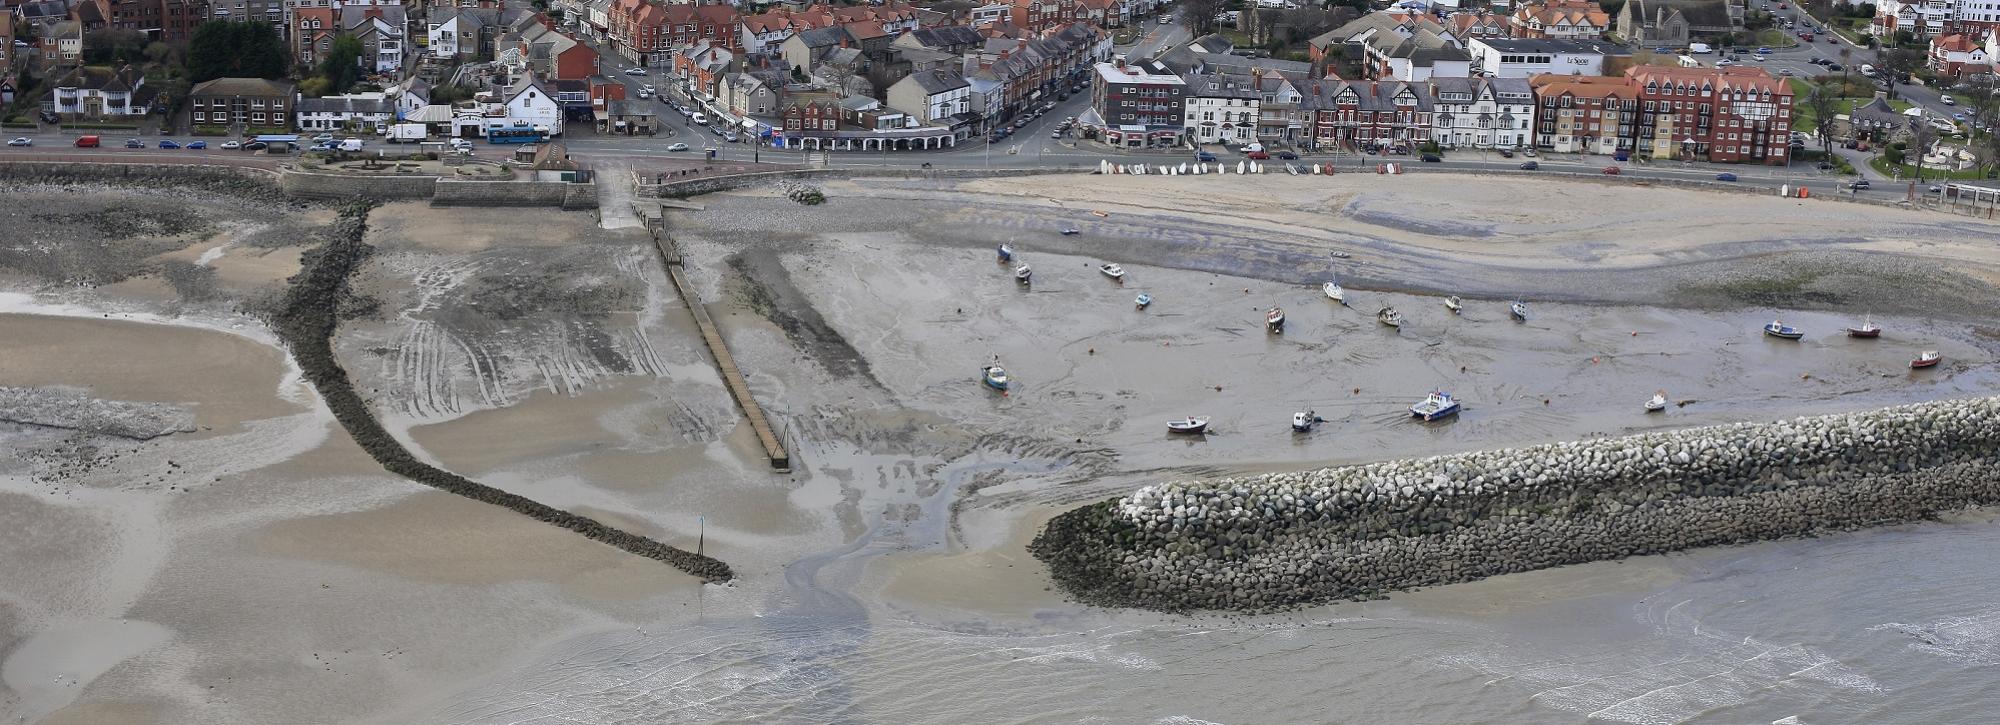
(198, 117)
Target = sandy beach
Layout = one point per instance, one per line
(261, 568)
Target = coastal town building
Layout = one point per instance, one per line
(1368, 115)
(253, 102)
(1724, 115)
(100, 93)
(1675, 23)
(1483, 113)
(1571, 19)
(1137, 105)
(1585, 114)
(1220, 108)
(1957, 54)
(1524, 58)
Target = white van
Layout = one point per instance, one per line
(699, 118)
(1867, 70)
(350, 144)
(1699, 49)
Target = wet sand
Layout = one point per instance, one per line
(885, 579)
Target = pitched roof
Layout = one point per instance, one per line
(945, 36)
(1565, 12)
(102, 79)
(936, 81)
(1551, 84)
(243, 87)
(623, 107)
(822, 37)
(1699, 14)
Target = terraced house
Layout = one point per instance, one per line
(1483, 113)
(1364, 115)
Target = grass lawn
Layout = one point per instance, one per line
(1775, 38)
(1904, 171)
(1806, 121)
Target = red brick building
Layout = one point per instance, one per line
(812, 116)
(1039, 15)
(1725, 115)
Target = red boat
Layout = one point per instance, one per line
(1928, 359)
(1866, 330)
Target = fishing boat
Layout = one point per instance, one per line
(1275, 319)
(993, 375)
(1339, 254)
(1452, 303)
(1113, 271)
(1304, 421)
(1143, 300)
(1439, 404)
(1071, 231)
(1335, 293)
(1006, 253)
(1389, 316)
(1188, 426)
(1867, 330)
(1658, 402)
(1783, 331)
(1927, 359)
(1518, 309)
(1022, 274)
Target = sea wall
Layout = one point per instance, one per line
(566, 195)
(384, 187)
(1292, 539)
(683, 187)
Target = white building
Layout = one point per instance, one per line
(933, 97)
(1525, 57)
(453, 32)
(1220, 108)
(989, 14)
(92, 92)
(1483, 113)
(358, 111)
(528, 103)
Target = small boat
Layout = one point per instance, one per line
(1783, 331)
(1452, 303)
(993, 375)
(1928, 359)
(1189, 425)
(1275, 319)
(1438, 404)
(1304, 421)
(1335, 293)
(1339, 254)
(1022, 274)
(1657, 403)
(1071, 231)
(1518, 309)
(1113, 271)
(1867, 330)
(1389, 316)
(1006, 253)
(1143, 300)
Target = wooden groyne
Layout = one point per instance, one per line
(670, 256)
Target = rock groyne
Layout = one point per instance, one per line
(1293, 539)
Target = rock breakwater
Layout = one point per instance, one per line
(1293, 539)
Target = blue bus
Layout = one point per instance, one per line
(513, 134)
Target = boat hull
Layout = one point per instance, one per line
(1785, 334)
(1428, 416)
(1188, 429)
(1863, 334)
(1920, 364)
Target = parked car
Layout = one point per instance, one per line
(1725, 176)
(21, 141)
(1289, 155)
(255, 146)
(678, 147)
(1432, 158)
(322, 146)
(635, 71)
(196, 145)
(1622, 155)
(1506, 154)
(1530, 166)
(1258, 155)
(1204, 156)
(167, 143)
(1612, 171)
(1530, 153)
(1056, 134)
(133, 143)
(231, 145)
(730, 136)
(323, 138)
(50, 117)
(1763, 51)
(1947, 100)
(1857, 184)
(1835, 66)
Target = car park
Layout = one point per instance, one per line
(167, 143)
(133, 143)
(196, 145)
(21, 141)
(1530, 166)
(678, 147)
(232, 145)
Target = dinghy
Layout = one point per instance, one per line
(1452, 303)
(1143, 300)
(1518, 309)
(1335, 293)
(1022, 274)
(1389, 316)
(1304, 421)
(1275, 319)
(1188, 426)
(1657, 403)
(1006, 253)
(1115, 272)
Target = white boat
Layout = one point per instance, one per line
(1389, 316)
(1335, 293)
(1022, 274)
(1113, 271)
(1143, 301)
(1657, 403)
(1518, 309)
(1438, 404)
(1452, 303)
(994, 376)
(1189, 425)
(1305, 420)
(1275, 319)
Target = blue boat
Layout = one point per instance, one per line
(994, 376)
(1783, 331)
(1143, 300)
(1006, 253)
(1439, 404)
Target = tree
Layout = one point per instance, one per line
(1821, 102)
(114, 46)
(1198, 16)
(342, 65)
(1844, 53)
(1896, 64)
(1922, 136)
(224, 49)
